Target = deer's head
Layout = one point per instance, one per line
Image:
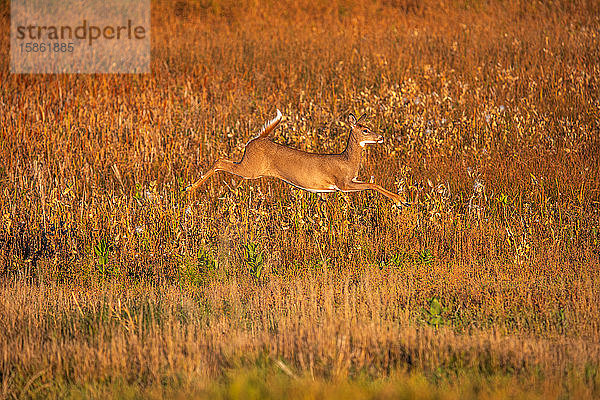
(363, 134)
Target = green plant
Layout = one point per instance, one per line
(138, 194)
(102, 251)
(253, 259)
(502, 199)
(434, 313)
(197, 272)
(206, 262)
(398, 259)
(425, 257)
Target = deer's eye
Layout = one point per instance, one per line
(365, 131)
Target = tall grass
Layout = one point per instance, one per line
(115, 279)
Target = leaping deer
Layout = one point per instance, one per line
(317, 173)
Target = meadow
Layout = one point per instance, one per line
(117, 283)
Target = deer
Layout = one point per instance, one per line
(317, 173)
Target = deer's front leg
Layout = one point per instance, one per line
(354, 185)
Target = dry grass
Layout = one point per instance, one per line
(117, 283)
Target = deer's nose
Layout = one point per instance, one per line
(380, 139)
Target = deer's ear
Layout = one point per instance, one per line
(361, 118)
(352, 119)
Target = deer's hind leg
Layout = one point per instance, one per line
(238, 169)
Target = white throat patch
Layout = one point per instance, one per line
(362, 144)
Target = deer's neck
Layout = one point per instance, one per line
(353, 153)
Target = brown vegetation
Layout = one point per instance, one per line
(112, 273)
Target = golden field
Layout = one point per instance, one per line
(115, 282)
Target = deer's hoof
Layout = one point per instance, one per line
(400, 204)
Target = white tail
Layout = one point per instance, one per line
(269, 126)
(318, 173)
